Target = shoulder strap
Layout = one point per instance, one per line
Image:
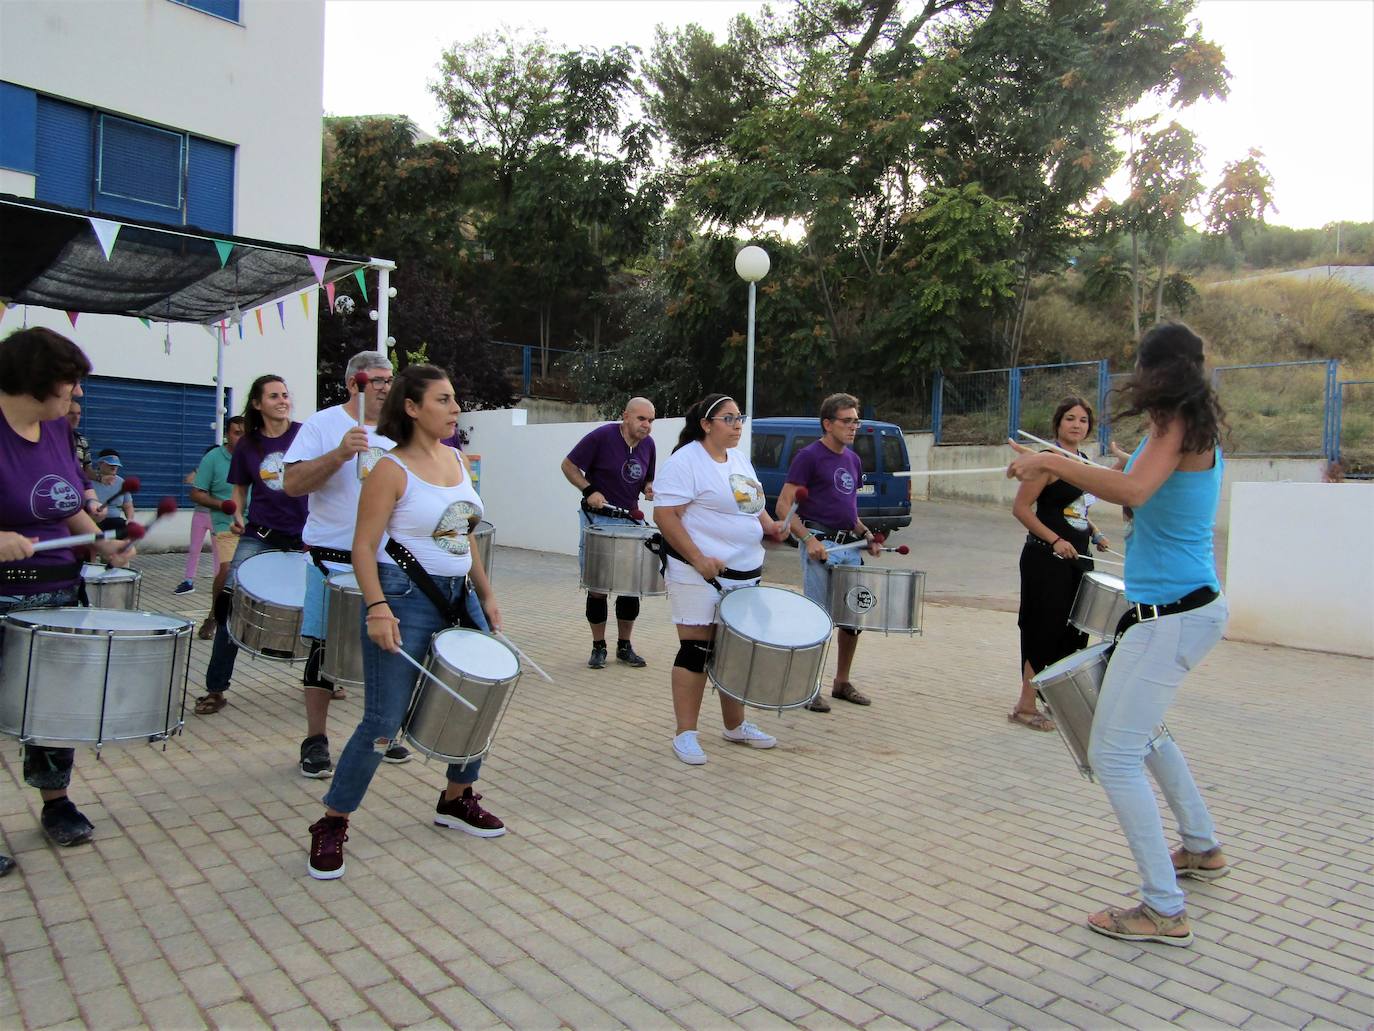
(454, 615)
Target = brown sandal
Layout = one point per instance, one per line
(209, 704)
(1036, 720)
(339, 693)
(1143, 924)
(1189, 864)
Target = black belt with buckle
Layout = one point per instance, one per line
(1136, 613)
(66, 572)
(826, 533)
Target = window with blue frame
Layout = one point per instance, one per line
(226, 9)
(99, 161)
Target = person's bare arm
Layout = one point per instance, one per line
(381, 490)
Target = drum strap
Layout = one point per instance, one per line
(320, 556)
(1145, 613)
(67, 571)
(277, 538)
(455, 614)
(658, 544)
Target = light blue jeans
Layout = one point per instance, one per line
(816, 575)
(1142, 679)
(389, 681)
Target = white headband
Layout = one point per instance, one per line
(718, 403)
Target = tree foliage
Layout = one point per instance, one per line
(1239, 201)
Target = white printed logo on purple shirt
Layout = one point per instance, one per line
(270, 472)
(54, 498)
(844, 481)
(632, 471)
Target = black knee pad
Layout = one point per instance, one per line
(851, 631)
(220, 607)
(627, 608)
(692, 655)
(596, 609)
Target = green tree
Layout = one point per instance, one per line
(1238, 202)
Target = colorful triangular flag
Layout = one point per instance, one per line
(3, 308)
(257, 313)
(305, 304)
(329, 292)
(146, 323)
(318, 263)
(281, 313)
(362, 283)
(105, 232)
(72, 316)
(225, 248)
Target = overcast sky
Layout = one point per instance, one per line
(1302, 88)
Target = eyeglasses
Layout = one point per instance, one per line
(374, 381)
(731, 420)
(848, 422)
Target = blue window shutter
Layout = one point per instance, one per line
(18, 127)
(219, 8)
(210, 186)
(139, 170)
(63, 149)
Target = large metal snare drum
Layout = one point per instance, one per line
(92, 676)
(1069, 690)
(342, 661)
(1099, 604)
(482, 670)
(483, 537)
(109, 588)
(269, 601)
(615, 561)
(873, 598)
(770, 647)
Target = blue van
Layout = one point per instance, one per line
(884, 499)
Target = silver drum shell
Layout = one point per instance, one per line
(1099, 604)
(64, 685)
(112, 588)
(764, 674)
(441, 727)
(268, 629)
(615, 561)
(342, 661)
(874, 598)
(483, 539)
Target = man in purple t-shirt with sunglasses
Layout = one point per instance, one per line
(613, 465)
(832, 475)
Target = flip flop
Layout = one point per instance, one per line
(1034, 720)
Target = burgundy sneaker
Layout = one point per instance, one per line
(465, 813)
(327, 837)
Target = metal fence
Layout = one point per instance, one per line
(1354, 428)
(989, 406)
(1279, 409)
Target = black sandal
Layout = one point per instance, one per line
(209, 704)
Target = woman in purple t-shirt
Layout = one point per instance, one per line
(40, 373)
(266, 517)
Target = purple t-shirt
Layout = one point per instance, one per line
(832, 482)
(42, 490)
(257, 464)
(612, 468)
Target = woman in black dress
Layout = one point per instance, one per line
(1055, 514)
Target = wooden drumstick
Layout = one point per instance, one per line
(1055, 447)
(516, 648)
(1094, 558)
(986, 471)
(406, 655)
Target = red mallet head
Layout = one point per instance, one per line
(360, 380)
(801, 494)
(134, 532)
(902, 549)
(637, 514)
(880, 538)
(228, 507)
(132, 484)
(166, 507)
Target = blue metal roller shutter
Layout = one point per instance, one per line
(160, 430)
(63, 153)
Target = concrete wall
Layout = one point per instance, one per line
(1300, 567)
(257, 85)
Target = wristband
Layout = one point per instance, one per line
(809, 536)
(1055, 541)
(1098, 537)
(588, 491)
(375, 604)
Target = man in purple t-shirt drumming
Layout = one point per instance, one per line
(613, 465)
(831, 473)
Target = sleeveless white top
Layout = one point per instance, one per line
(432, 522)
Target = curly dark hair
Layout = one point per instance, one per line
(37, 361)
(1170, 382)
(410, 385)
(701, 410)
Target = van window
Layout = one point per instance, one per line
(863, 446)
(894, 455)
(767, 450)
(800, 441)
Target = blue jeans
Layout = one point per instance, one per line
(585, 518)
(45, 767)
(816, 575)
(389, 682)
(224, 652)
(1142, 679)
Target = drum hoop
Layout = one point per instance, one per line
(758, 640)
(24, 622)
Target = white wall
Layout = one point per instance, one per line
(257, 85)
(524, 492)
(1300, 566)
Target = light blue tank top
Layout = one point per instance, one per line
(1169, 542)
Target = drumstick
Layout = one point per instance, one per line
(854, 545)
(1055, 447)
(516, 648)
(634, 515)
(1002, 469)
(360, 381)
(165, 507)
(1106, 560)
(406, 655)
(801, 495)
(132, 532)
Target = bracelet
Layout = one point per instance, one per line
(588, 491)
(1055, 541)
(375, 604)
(382, 615)
(809, 536)
(1098, 537)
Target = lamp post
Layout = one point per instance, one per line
(752, 264)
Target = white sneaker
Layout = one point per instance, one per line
(748, 734)
(688, 749)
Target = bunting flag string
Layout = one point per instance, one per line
(281, 313)
(318, 263)
(362, 283)
(329, 293)
(105, 232)
(225, 248)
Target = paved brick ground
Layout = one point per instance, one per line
(920, 863)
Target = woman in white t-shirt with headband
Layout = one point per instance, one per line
(709, 506)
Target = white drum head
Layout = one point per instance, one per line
(1107, 580)
(275, 576)
(474, 654)
(118, 620)
(1072, 662)
(775, 616)
(347, 582)
(92, 571)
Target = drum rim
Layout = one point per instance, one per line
(238, 576)
(334, 585)
(759, 640)
(434, 654)
(19, 617)
(1099, 648)
(627, 530)
(111, 575)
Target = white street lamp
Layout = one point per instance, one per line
(752, 264)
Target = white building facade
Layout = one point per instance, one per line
(202, 113)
